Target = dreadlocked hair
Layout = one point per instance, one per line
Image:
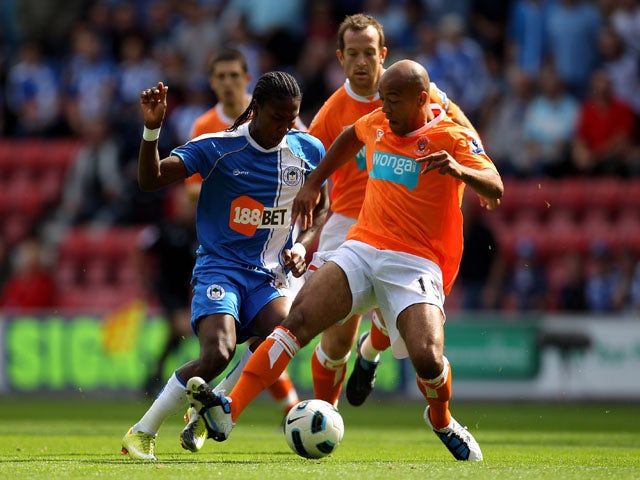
(269, 86)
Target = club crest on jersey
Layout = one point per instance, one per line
(379, 134)
(215, 292)
(292, 176)
(422, 147)
(475, 146)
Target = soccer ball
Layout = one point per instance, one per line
(313, 428)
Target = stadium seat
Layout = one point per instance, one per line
(571, 193)
(531, 195)
(627, 229)
(603, 193)
(99, 262)
(563, 232)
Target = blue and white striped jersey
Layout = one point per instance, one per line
(244, 209)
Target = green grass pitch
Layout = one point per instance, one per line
(69, 438)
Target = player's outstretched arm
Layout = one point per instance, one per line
(154, 173)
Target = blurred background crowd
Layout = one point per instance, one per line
(553, 87)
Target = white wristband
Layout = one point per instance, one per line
(150, 134)
(299, 249)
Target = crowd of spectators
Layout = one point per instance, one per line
(553, 86)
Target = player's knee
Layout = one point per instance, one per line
(213, 360)
(300, 325)
(428, 363)
(336, 343)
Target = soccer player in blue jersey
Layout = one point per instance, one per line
(248, 248)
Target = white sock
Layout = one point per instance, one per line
(227, 383)
(330, 363)
(169, 401)
(368, 352)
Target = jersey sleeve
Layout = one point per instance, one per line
(196, 159)
(318, 129)
(362, 125)
(468, 150)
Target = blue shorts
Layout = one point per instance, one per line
(239, 291)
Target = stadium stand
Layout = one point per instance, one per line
(31, 176)
(95, 267)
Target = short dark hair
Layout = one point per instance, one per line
(357, 23)
(270, 85)
(228, 55)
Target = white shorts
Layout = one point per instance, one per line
(389, 280)
(334, 231)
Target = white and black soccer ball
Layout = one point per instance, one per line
(313, 428)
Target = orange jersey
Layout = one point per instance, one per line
(342, 109)
(213, 120)
(409, 212)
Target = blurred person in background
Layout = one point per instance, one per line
(482, 268)
(634, 289)
(165, 258)
(194, 35)
(48, 22)
(572, 30)
(135, 70)
(33, 93)
(548, 129)
(603, 279)
(488, 23)
(571, 294)
(463, 71)
(528, 279)
(276, 24)
(526, 36)
(88, 67)
(502, 123)
(625, 20)
(94, 189)
(392, 16)
(196, 98)
(622, 67)
(606, 127)
(30, 284)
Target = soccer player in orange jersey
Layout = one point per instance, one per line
(229, 79)
(361, 52)
(402, 255)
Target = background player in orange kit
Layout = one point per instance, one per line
(401, 256)
(229, 79)
(361, 52)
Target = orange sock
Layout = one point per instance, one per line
(283, 391)
(379, 339)
(328, 376)
(437, 392)
(264, 367)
